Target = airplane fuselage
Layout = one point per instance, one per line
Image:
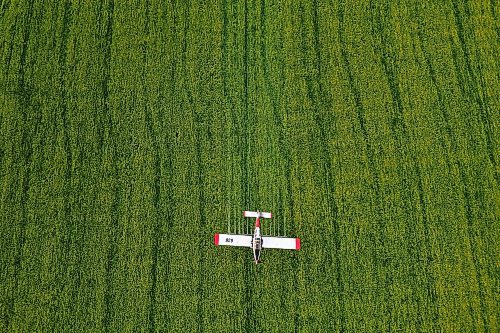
(257, 242)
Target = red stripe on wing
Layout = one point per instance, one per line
(297, 243)
(216, 239)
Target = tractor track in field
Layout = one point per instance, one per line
(245, 118)
(107, 122)
(64, 106)
(235, 131)
(377, 237)
(201, 238)
(360, 111)
(391, 74)
(318, 97)
(234, 124)
(71, 237)
(471, 82)
(465, 191)
(26, 151)
(156, 181)
(224, 50)
(10, 48)
(248, 273)
(493, 14)
(199, 124)
(283, 150)
(432, 74)
(168, 214)
(270, 90)
(325, 104)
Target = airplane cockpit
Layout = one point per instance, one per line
(257, 246)
(257, 243)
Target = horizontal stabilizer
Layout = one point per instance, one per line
(281, 243)
(264, 215)
(233, 240)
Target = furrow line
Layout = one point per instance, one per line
(156, 203)
(201, 238)
(391, 75)
(198, 122)
(156, 181)
(245, 120)
(378, 235)
(469, 217)
(472, 83)
(316, 94)
(70, 236)
(113, 236)
(64, 115)
(249, 321)
(270, 91)
(11, 48)
(231, 227)
(493, 13)
(360, 111)
(27, 152)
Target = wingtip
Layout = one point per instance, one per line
(297, 243)
(216, 239)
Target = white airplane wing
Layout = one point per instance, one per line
(281, 243)
(233, 240)
(264, 215)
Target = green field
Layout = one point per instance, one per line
(132, 131)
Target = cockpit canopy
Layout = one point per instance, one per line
(257, 243)
(257, 246)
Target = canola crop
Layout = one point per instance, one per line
(131, 132)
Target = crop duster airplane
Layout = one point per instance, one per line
(256, 241)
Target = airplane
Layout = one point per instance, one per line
(256, 241)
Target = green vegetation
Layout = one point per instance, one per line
(131, 132)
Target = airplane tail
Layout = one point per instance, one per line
(264, 215)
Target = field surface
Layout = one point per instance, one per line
(132, 131)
